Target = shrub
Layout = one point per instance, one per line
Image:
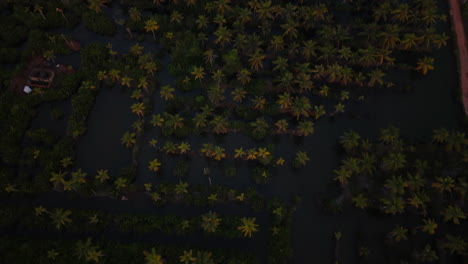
(99, 23)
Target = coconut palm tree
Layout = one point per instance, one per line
(174, 121)
(367, 57)
(238, 95)
(134, 14)
(220, 124)
(429, 226)
(128, 139)
(167, 92)
(440, 40)
(248, 226)
(210, 222)
(223, 35)
(252, 154)
(360, 201)
(219, 153)
(126, 81)
(389, 37)
(393, 205)
(319, 111)
(96, 5)
(210, 57)
(280, 64)
(256, 59)
(453, 213)
(114, 74)
(410, 41)
(263, 153)
(281, 126)
(184, 147)
(284, 101)
(170, 147)
(455, 142)
(102, 75)
(402, 13)
(286, 81)
(440, 135)
(154, 165)
(136, 49)
(259, 126)
(305, 128)
(339, 107)
(244, 76)
(57, 178)
(39, 9)
(207, 149)
(176, 17)
(198, 73)
(187, 257)
(239, 153)
(200, 120)
(444, 184)
(290, 28)
(300, 107)
(157, 120)
(120, 183)
(222, 6)
(150, 67)
(455, 244)
(425, 64)
(309, 49)
(376, 76)
(399, 233)
(151, 257)
(350, 140)
(394, 161)
(396, 184)
(204, 257)
(181, 188)
(60, 217)
(87, 251)
(277, 43)
(151, 25)
(345, 53)
(38, 211)
(342, 175)
(143, 83)
(137, 94)
(202, 22)
(389, 135)
(138, 108)
(382, 11)
(427, 255)
(102, 175)
(259, 102)
(216, 94)
(304, 82)
(300, 159)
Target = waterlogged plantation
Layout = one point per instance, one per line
(199, 131)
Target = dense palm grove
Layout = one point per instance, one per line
(427, 181)
(262, 69)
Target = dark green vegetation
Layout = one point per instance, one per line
(426, 182)
(226, 106)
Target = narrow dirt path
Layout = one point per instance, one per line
(457, 23)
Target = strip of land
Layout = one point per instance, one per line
(457, 22)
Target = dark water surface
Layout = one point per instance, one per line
(432, 104)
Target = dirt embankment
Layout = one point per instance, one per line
(457, 23)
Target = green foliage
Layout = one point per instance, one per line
(99, 23)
